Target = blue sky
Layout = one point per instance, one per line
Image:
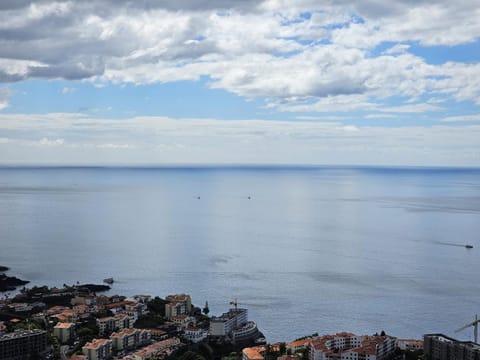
(221, 81)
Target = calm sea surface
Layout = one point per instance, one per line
(312, 250)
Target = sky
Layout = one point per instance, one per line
(117, 82)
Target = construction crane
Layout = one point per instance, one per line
(235, 304)
(475, 328)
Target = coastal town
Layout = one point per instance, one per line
(78, 322)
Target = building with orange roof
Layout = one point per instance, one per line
(184, 320)
(57, 310)
(409, 344)
(115, 323)
(98, 349)
(67, 315)
(253, 353)
(77, 357)
(348, 346)
(179, 304)
(158, 350)
(289, 357)
(158, 334)
(298, 345)
(64, 331)
(194, 334)
(128, 339)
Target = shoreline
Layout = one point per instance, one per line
(9, 283)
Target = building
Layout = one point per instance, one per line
(128, 339)
(180, 304)
(258, 352)
(157, 350)
(98, 349)
(158, 334)
(23, 344)
(289, 357)
(442, 347)
(299, 345)
(253, 353)
(246, 331)
(115, 323)
(224, 324)
(348, 346)
(64, 331)
(184, 320)
(410, 344)
(194, 334)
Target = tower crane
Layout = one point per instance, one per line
(235, 304)
(475, 328)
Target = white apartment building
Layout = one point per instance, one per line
(64, 331)
(348, 346)
(128, 339)
(98, 349)
(115, 323)
(180, 304)
(224, 324)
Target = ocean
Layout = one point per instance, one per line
(305, 249)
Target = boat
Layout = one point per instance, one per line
(469, 246)
(108, 280)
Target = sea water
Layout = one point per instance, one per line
(305, 249)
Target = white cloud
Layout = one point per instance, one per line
(380, 116)
(413, 108)
(50, 142)
(114, 146)
(251, 48)
(462, 118)
(159, 140)
(397, 49)
(68, 90)
(4, 96)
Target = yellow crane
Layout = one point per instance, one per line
(475, 328)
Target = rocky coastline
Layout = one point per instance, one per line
(9, 283)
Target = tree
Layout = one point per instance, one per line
(157, 306)
(282, 348)
(382, 333)
(206, 310)
(190, 355)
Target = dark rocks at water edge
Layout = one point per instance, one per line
(9, 283)
(94, 287)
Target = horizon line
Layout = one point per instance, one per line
(233, 166)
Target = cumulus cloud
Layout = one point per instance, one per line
(295, 53)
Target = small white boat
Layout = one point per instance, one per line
(108, 281)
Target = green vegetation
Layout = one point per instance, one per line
(233, 356)
(55, 347)
(157, 306)
(413, 355)
(149, 321)
(190, 355)
(206, 310)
